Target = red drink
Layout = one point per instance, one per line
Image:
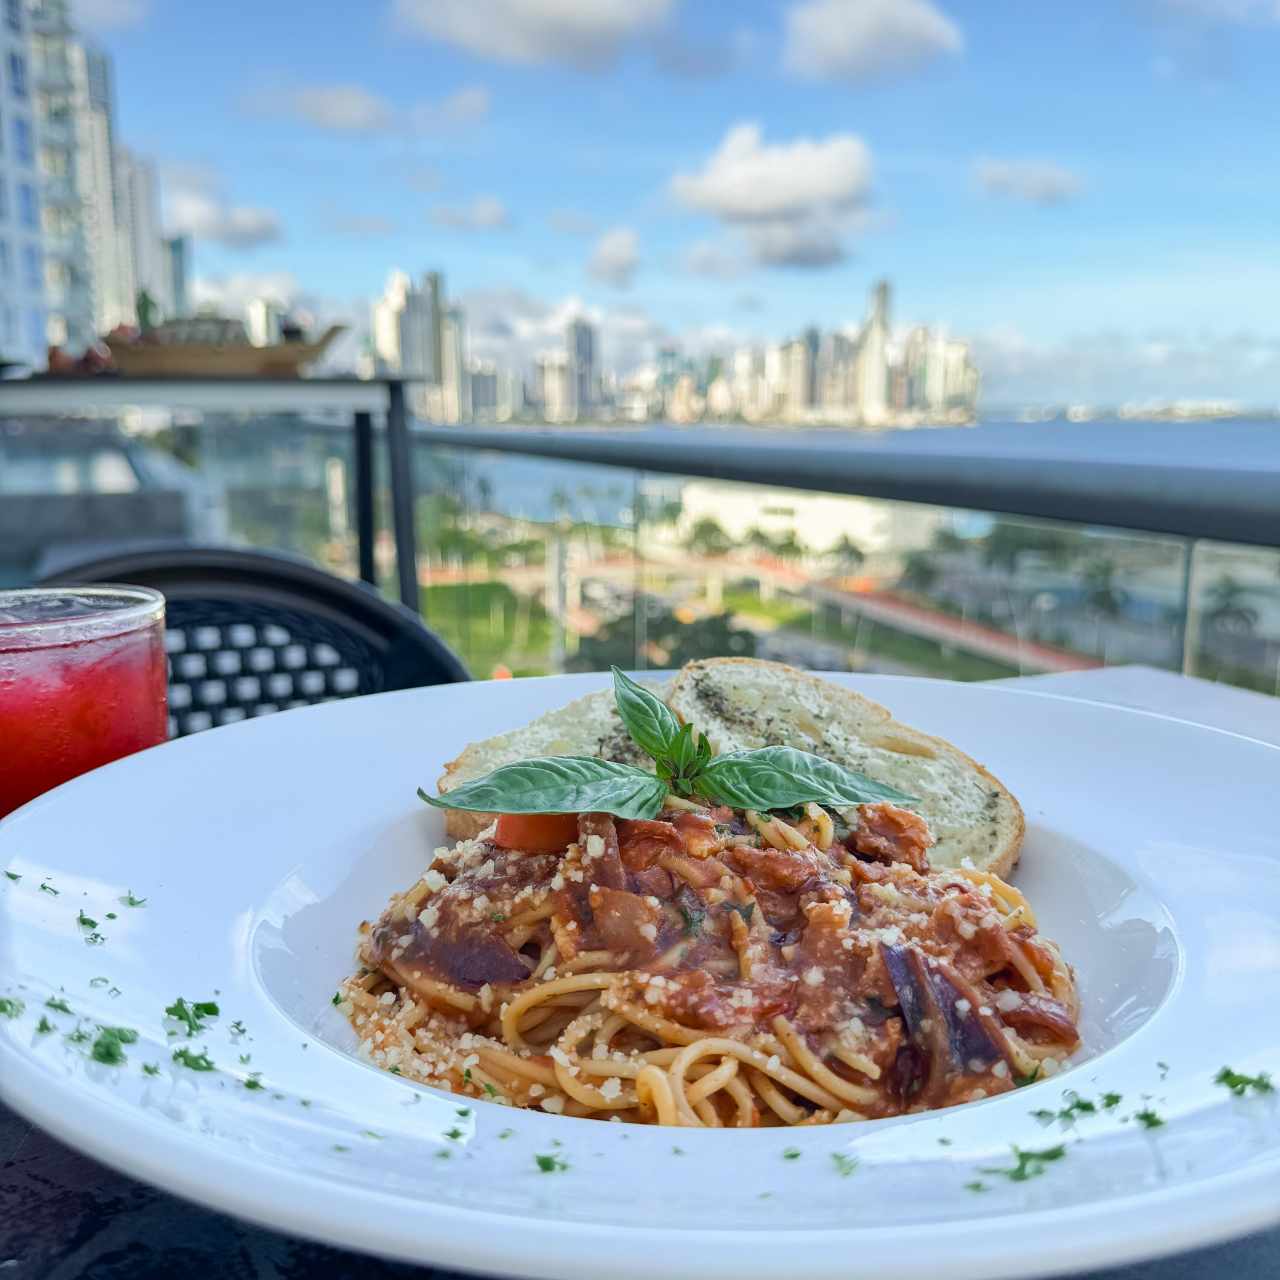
(82, 682)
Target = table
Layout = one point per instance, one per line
(65, 1217)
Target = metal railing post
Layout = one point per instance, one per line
(402, 495)
(364, 494)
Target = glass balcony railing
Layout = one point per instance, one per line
(529, 565)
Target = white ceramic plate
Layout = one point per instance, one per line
(1152, 855)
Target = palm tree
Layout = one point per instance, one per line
(919, 572)
(1101, 596)
(708, 538)
(847, 554)
(1225, 607)
(758, 538)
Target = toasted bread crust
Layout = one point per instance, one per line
(1000, 857)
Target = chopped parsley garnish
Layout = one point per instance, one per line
(1030, 1078)
(85, 922)
(976, 1185)
(253, 1080)
(336, 1147)
(95, 939)
(13, 875)
(194, 1061)
(443, 1154)
(99, 982)
(78, 1036)
(111, 915)
(1028, 1164)
(1110, 1101)
(150, 1068)
(369, 1133)
(845, 1164)
(46, 887)
(464, 1112)
(791, 1153)
(506, 1133)
(746, 910)
(497, 917)
(337, 998)
(1076, 1106)
(453, 1134)
(466, 1075)
(1148, 1118)
(677, 1151)
(11, 1007)
(130, 901)
(108, 1047)
(244, 1057)
(490, 1090)
(1163, 1068)
(44, 1026)
(550, 1164)
(944, 1142)
(304, 1102)
(1240, 1084)
(395, 1071)
(58, 1004)
(192, 1015)
(237, 1028)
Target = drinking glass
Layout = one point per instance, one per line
(82, 682)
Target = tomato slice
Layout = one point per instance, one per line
(537, 832)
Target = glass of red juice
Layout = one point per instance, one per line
(82, 682)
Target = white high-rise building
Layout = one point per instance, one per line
(455, 382)
(90, 273)
(138, 211)
(559, 386)
(22, 250)
(263, 319)
(872, 368)
(386, 322)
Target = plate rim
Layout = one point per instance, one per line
(1223, 1206)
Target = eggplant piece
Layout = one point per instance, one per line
(941, 1013)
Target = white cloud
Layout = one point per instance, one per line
(571, 222)
(485, 213)
(748, 180)
(1112, 368)
(858, 40)
(710, 258)
(110, 15)
(195, 205)
(812, 243)
(586, 35)
(615, 256)
(355, 110)
(1037, 182)
(362, 225)
(466, 106)
(793, 203)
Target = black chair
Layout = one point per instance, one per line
(250, 633)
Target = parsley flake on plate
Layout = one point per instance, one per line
(108, 1048)
(550, 1164)
(194, 1061)
(845, 1164)
(46, 887)
(85, 922)
(13, 875)
(150, 1068)
(1240, 1084)
(1027, 1164)
(44, 1026)
(130, 901)
(11, 1007)
(57, 1004)
(791, 1153)
(1148, 1118)
(191, 1015)
(253, 1080)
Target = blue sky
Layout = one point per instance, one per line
(1088, 190)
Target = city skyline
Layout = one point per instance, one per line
(714, 176)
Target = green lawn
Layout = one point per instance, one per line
(780, 610)
(487, 624)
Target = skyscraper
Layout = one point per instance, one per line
(22, 249)
(581, 344)
(872, 368)
(177, 274)
(455, 382)
(433, 288)
(386, 322)
(90, 276)
(138, 211)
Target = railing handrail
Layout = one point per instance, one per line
(1216, 480)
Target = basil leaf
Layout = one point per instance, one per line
(559, 784)
(779, 777)
(647, 718)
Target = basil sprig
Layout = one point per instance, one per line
(770, 778)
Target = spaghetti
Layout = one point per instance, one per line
(714, 968)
